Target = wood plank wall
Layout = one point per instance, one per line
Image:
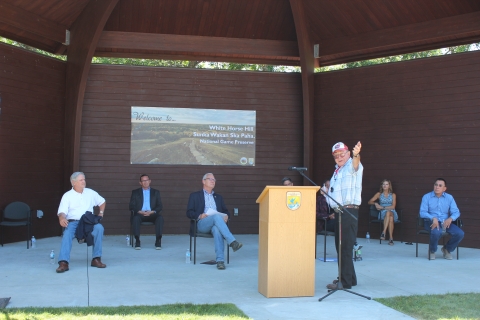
(417, 120)
(32, 89)
(105, 142)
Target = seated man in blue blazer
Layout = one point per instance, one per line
(208, 208)
(146, 205)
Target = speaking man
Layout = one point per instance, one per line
(346, 189)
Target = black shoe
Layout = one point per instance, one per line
(158, 245)
(236, 245)
(220, 265)
(137, 245)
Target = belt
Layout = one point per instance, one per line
(71, 220)
(349, 206)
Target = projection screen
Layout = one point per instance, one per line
(185, 136)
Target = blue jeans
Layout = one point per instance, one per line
(69, 234)
(214, 224)
(456, 235)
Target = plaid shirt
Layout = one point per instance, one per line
(346, 185)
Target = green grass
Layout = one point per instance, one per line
(428, 307)
(439, 307)
(167, 312)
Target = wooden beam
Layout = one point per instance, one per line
(435, 31)
(196, 57)
(32, 23)
(307, 63)
(196, 44)
(85, 32)
(338, 59)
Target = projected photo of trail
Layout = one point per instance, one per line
(192, 144)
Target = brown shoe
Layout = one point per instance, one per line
(62, 266)
(332, 286)
(97, 262)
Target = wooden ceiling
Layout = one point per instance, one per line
(250, 31)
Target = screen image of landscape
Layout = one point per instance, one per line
(185, 136)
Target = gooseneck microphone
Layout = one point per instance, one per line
(297, 168)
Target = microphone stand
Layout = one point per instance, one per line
(341, 209)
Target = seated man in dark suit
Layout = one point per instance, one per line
(146, 204)
(208, 208)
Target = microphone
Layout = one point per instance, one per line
(297, 168)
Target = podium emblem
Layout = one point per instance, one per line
(294, 200)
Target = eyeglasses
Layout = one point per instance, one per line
(145, 180)
(211, 179)
(339, 155)
(438, 185)
(288, 183)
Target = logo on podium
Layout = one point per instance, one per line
(294, 200)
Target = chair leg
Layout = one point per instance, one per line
(194, 249)
(401, 233)
(190, 248)
(380, 225)
(325, 245)
(416, 245)
(28, 236)
(131, 233)
(228, 254)
(316, 239)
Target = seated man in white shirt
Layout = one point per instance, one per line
(73, 205)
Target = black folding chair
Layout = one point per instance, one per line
(325, 233)
(201, 235)
(16, 214)
(374, 219)
(421, 231)
(145, 223)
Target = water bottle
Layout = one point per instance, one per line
(52, 257)
(128, 240)
(368, 237)
(444, 229)
(34, 242)
(187, 256)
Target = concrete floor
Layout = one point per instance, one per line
(156, 277)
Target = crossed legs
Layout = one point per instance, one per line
(219, 230)
(388, 223)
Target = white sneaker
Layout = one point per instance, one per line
(446, 254)
(432, 255)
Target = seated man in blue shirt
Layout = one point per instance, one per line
(208, 208)
(438, 209)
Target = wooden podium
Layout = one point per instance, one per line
(286, 251)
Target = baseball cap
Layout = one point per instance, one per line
(339, 146)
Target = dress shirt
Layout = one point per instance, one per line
(146, 200)
(209, 201)
(439, 207)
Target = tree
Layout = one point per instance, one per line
(257, 67)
